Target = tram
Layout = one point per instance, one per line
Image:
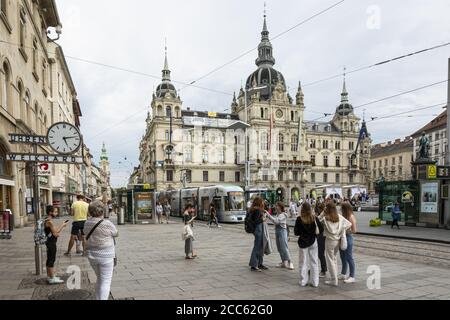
(229, 202)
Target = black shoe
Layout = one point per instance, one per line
(263, 267)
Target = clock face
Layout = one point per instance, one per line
(64, 138)
(279, 114)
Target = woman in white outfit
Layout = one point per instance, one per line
(335, 226)
(100, 248)
(308, 227)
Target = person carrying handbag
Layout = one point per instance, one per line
(334, 226)
(308, 228)
(188, 234)
(347, 252)
(101, 251)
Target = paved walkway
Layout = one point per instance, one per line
(152, 266)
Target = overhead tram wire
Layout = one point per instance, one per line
(442, 104)
(121, 69)
(191, 84)
(375, 64)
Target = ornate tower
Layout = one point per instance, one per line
(104, 164)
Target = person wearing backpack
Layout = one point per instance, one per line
(52, 233)
(308, 228)
(281, 233)
(256, 219)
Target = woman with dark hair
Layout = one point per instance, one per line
(307, 227)
(257, 214)
(319, 208)
(52, 232)
(347, 255)
(335, 226)
(213, 216)
(281, 233)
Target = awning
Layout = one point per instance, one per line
(7, 182)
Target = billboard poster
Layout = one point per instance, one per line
(144, 205)
(429, 197)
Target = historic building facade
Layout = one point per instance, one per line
(286, 153)
(392, 161)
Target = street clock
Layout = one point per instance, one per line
(64, 138)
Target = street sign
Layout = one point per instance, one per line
(443, 172)
(431, 171)
(48, 158)
(44, 169)
(30, 139)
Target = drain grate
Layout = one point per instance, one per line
(71, 295)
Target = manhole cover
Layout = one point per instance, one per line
(71, 295)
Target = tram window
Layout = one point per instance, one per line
(227, 203)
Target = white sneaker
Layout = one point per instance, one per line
(280, 265)
(342, 277)
(291, 266)
(331, 283)
(301, 284)
(54, 281)
(322, 275)
(350, 280)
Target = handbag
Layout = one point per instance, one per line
(343, 241)
(317, 231)
(187, 233)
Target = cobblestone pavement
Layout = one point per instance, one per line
(152, 266)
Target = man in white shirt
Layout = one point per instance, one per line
(293, 208)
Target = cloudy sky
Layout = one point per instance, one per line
(204, 34)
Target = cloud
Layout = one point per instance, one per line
(205, 34)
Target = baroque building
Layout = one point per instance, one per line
(265, 131)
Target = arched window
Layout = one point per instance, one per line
(262, 113)
(168, 111)
(351, 127)
(21, 101)
(280, 142)
(36, 118)
(6, 86)
(177, 112)
(294, 143)
(45, 125)
(28, 111)
(345, 126)
(160, 111)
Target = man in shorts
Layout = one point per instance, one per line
(79, 211)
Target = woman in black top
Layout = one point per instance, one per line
(213, 215)
(257, 213)
(308, 227)
(319, 208)
(52, 237)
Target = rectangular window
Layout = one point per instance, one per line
(237, 176)
(400, 159)
(325, 161)
(188, 154)
(280, 175)
(35, 55)
(337, 145)
(350, 178)
(295, 175)
(338, 161)
(222, 176)
(325, 144)
(437, 136)
(167, 135)
(265, 177)
(312, 144)
(400, 170)
(386, 162)
(325, 177)
(351, 145)
(222, 155)
(205, 176)
(436, 151)
(379, 162)
(188, 176)
(338, 178)
(313, 160)
(393, 161)
(169, 175)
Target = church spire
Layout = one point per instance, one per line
(344, 94)
(166, 71)
(104, 155)
(300, 96)
(265, 47)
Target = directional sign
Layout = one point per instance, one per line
(47, 158)
(44, 169)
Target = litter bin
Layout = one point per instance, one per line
(121, 216)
